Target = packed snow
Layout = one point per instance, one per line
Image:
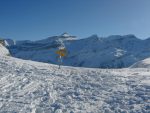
(33, 87)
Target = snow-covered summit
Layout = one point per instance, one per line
(65, 34)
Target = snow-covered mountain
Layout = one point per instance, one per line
(33, 87)
(100, 52)
(142, 64)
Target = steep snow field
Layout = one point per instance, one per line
(32, 87)
(3, 50)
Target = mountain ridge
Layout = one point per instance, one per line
(115, 51)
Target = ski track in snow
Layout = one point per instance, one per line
(32, 87)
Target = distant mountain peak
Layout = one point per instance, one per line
(65, 34)
(131, 36)
(125, 37)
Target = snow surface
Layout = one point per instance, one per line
(3, 50)
(33, 87)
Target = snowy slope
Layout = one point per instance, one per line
(109, 52)
(3, 50)
(32, 87)
(142, 64)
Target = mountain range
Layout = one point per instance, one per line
(114, 51)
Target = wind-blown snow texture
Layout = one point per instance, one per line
(111, 52)
(32, 87)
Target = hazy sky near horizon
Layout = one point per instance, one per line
(37, 19)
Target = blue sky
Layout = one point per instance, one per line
(37, 19)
